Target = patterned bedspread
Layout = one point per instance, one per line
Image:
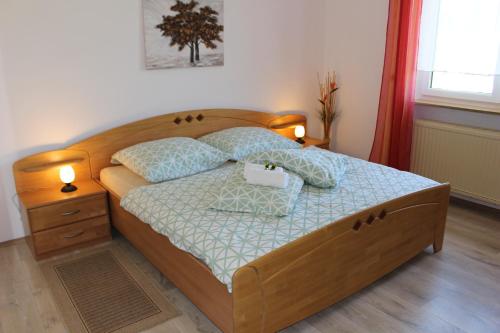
(226, 241)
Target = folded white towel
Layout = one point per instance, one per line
(252, 168)
(266, 178)
(256, 174)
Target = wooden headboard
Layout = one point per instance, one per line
(39, 171)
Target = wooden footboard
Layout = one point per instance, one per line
(307, 275)
(320, 269)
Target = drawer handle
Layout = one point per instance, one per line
(74, 235)
(73, 212)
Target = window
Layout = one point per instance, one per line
(459, 60)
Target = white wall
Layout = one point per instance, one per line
(74, 68)
(354, 48)
(8, 212)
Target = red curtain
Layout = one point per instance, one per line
(393, 134)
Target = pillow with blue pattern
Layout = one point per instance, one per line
(236, 195)
(170, 158)
(318, 167)
(240, 142)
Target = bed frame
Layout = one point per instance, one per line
(287, 284)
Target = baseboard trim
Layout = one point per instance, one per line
(477, 202)
(13, 242)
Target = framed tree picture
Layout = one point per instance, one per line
(183, 33)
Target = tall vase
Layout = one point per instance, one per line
(327, 126)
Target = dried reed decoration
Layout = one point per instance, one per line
(328, 99)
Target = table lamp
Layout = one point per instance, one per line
(300, 132)
(67, 175)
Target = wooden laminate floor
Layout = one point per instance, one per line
(457, 290)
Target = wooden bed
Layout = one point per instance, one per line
(291, 282)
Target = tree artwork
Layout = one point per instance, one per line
(192, 26)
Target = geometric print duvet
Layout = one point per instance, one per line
(226, 241)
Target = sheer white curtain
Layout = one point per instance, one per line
(460, 37)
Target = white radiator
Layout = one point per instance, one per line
(468, 158)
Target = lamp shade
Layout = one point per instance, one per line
(300, 131)
(67, 174)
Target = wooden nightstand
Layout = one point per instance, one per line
(320, 143)
(58, 221)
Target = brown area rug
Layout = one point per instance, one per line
(102, 291)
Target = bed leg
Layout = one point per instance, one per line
(441, 222)
(437, 246)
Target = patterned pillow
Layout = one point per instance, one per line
(236, 195)
(170, 158)
(240, 142)
(318, 167)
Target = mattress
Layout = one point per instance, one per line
(121, 180)
(226, 241)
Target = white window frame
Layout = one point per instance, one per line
(455, 99)
(424, 94)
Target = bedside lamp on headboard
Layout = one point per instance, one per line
(300, 133)
(67, 176)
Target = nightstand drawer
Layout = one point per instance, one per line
(81, 232)
(67, 212)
